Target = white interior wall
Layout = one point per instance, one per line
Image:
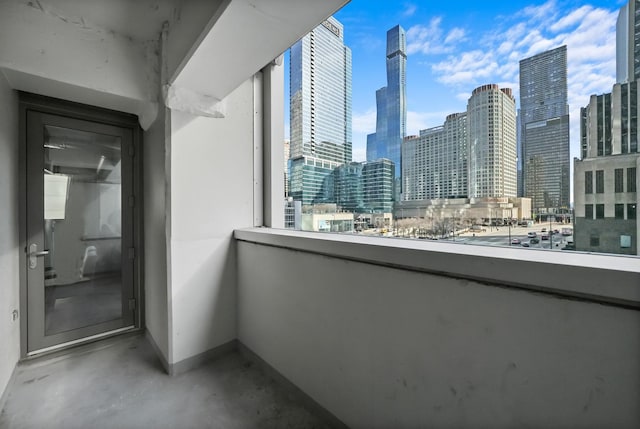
(212, 193)
(9, 245)
(382, 347)
(155, 233)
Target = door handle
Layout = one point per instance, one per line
(33, 255)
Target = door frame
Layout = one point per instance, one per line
(32, 102)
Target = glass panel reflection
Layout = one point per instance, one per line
(82, 224)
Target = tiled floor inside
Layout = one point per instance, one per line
(119, 383)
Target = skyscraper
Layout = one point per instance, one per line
(320, 109)
(491, 130)
(391, 113)
(544, 133)
(628, 42)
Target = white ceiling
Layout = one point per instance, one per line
(137, 19)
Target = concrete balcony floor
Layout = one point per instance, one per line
(119, 383)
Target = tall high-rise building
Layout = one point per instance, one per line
(628, 42)
(605, 178)
(320, 109)
(491, 139)
(544, 131)
(391, 113)
(434, 164)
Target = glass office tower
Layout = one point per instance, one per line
(391, 115)
(364, 187)
(544, 131)
(320, 109)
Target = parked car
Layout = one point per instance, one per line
(534, 241)
(544, 230)
(545, 236)
(531, 234)
(525, 244)
(515, 241)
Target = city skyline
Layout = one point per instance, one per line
(453, 49)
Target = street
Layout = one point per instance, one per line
(499, 236)
(502, 236)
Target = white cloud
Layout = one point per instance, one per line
(454, 36)
(430, 39)
(573, 18)
(417, 121)
(409, 9)
(364, 123)
(469, 67)
(542, 12)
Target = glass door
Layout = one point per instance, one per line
(79, 229)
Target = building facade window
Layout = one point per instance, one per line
(625, 241)
(600, 182)
(588, 182)
(599, 211)
(631, 211)
(631, 179)
(588, 211)
(618, 180)
(619, 211)
(594, 241)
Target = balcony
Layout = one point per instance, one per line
(395, 333)
(343, 330)
(306, 329)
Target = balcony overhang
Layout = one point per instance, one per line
(241, 38)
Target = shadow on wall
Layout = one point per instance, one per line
(204, 303)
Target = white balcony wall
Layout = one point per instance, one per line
(9, 246)
(212, 193)
(383, 347)
(156, 212)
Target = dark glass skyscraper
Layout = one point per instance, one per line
(544, 132)
(391, 115)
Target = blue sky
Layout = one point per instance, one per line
(455, 46)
